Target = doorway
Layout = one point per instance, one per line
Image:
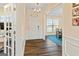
(54, 32)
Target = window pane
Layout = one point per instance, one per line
(55, 22)
(49, 21)
(49, 28)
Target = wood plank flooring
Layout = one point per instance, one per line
(42, 47)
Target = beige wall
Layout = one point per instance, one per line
(68, 28)
(1, 11)
(70, 33)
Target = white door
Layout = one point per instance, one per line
(10, 30)
(34, 28)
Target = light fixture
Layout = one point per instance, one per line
(37, 8)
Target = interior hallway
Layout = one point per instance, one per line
(41, 47)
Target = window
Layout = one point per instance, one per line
(52, 24)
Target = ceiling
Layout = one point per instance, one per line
(57, 11)
(54, 9)
(33, 5)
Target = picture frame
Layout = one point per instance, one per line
(75, 4)
(75, 12)
(75, 21)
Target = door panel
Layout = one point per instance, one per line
(34, 28)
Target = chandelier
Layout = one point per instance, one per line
(37, 8)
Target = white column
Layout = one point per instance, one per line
(20, 29)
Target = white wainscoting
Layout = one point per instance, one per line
(70, 46)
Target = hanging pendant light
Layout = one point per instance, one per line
(37, 8)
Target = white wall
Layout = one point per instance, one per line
(20, 29)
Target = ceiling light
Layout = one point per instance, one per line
(37, 8)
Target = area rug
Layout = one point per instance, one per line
(55, 39)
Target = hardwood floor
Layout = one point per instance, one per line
(41, 47)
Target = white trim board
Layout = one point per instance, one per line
(70, 46)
